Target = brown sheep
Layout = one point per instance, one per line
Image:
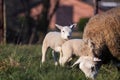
(104, 32)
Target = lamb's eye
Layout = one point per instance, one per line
(63, 31)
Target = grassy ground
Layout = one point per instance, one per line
(24, 63)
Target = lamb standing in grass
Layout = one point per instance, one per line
(54, 40)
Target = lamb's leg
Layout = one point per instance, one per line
(55, 57)
(44, 49)
(65, 56)
(60, 58)
(63, 60)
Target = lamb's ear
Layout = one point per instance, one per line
(96, 59)
(77, 62)
(73, 25)
(58, 26)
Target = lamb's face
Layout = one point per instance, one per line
(89, 69)
(66, 31)
(89, 65)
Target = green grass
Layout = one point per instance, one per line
(24, 63)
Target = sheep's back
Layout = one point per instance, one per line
(104, 30)
(75, 46)
(54, 39)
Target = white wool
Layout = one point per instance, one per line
(54, 40)
(74, 47)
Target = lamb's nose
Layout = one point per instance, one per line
(69, 37)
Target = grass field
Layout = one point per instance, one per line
(24, 63)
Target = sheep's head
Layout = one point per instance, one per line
(66, 31)
(89, 66)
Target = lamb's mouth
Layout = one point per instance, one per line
(66, 39)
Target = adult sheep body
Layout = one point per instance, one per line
(104, 32)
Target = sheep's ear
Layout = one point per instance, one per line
(96, 59)
(73, 25)
(58, 26)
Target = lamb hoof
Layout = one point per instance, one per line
(56, 63)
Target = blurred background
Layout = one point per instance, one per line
(28, 21)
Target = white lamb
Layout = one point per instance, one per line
(81, 48)
(54, 40)
(75, 47)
